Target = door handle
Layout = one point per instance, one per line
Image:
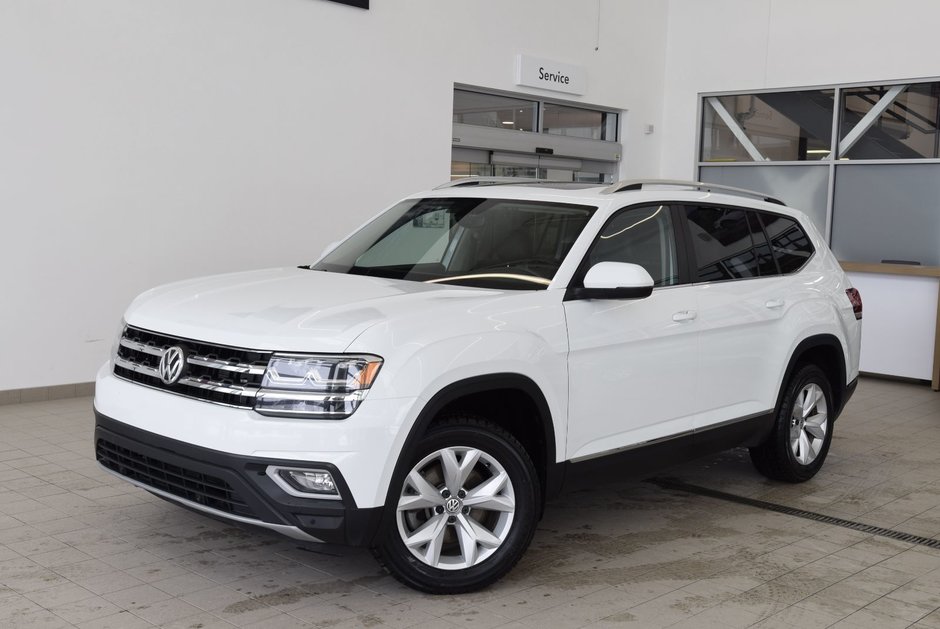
(685, 315)
(774, 303)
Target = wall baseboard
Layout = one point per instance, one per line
(44, 394)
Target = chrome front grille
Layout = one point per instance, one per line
(214, 373)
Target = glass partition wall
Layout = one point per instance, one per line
(519, 135)
(863, 161)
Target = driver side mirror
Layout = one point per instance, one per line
(613, 280)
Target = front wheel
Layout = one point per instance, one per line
(799, 443)
(464, 511)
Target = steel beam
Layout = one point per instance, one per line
(869, 119)
(736, 129)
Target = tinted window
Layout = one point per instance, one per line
(765, 259)
(641, 236)
(721, 239)
(790, 244)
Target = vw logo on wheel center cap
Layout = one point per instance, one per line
(452, 505)
(171, 365)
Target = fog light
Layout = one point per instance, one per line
(306, 483)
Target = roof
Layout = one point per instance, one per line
(637, 191)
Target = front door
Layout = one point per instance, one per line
(632, 363)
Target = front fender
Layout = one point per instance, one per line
(426, 355)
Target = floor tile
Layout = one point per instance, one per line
(79, 547)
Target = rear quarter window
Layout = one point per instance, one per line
(788, 241)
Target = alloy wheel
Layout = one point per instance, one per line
(456, 508)
(809, 421)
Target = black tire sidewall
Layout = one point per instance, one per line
(507, 451)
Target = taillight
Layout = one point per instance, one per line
(856, 300)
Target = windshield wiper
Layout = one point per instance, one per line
(491, 276)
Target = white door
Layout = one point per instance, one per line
(742, 299)
(632, 364)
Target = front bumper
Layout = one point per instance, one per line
(231, 486)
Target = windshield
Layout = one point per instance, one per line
(489, 243)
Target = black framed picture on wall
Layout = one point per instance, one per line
(362, 4)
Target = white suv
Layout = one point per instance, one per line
(425, 385)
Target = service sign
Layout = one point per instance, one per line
(550, 75)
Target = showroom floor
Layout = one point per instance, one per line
(81, 548)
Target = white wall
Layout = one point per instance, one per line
(148, 141)
(724, 45)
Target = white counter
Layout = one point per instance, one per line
(901, 319)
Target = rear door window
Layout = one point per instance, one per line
(723, 244)
(766, 263)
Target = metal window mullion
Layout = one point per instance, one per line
(833, 147)
(700, 131)
(936, 134)
(869, 119)
(736, 129)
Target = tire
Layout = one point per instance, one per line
(797, 447)
(462, 510)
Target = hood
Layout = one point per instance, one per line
(288, 309)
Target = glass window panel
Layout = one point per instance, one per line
(425, 237)
(907, 129)
(583, 176)
(439, 238)
(790, 244)
(887, 212)
(490, 110)
(576, 122)
(803, 187)
(766, 264)
(783, 126)
(460, 169)
(721, 238)
(641, 236)
(528, 172)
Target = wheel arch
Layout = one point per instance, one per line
(826, 352)
(512, 400)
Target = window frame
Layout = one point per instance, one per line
(679, 238)
(540, 102)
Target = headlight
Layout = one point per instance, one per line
(328, 387)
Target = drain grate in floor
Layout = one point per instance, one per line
(672, 483)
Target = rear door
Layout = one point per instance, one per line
(742, 301)
(632, 364)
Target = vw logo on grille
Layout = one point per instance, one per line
(171, 365)
(452, 505)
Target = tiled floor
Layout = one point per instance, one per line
(81, 548)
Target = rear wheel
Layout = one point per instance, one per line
(802, 433)
(464, 511)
